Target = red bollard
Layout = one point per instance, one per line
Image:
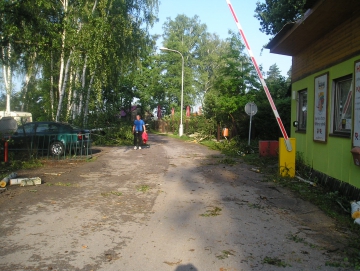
(6, 152)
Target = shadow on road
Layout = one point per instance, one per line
(188, 267)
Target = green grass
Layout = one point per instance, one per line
(175, 135)
(227, 161)
(295, 238)
(143, 188)
(91, 159)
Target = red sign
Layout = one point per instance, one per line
(188, 111)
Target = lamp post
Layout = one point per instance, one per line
(181, 128)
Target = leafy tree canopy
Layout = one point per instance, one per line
(274, 14)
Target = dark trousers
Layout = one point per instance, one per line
(138, 139)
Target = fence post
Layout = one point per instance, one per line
(6, 152)
(218, 132)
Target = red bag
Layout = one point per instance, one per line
(144, 137)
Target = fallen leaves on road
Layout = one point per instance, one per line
(274, 261)
(115, 193)
(213, 212)
(225, 254)
(173, 263)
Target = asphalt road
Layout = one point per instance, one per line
(174, 206)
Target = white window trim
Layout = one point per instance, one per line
(332, 108)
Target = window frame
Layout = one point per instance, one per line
(335, 89)
(302, 117)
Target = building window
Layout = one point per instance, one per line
(302, 110)
(342, 105)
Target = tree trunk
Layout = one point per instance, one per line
(29, 74)
(7, 72)
(62, 60)
(234, 130)
(69, 101)
(75, 94)
(61, 72)
(83, 82)
(62, 91)
(52, 85)
(86, 109)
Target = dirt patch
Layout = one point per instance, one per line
(50, 172)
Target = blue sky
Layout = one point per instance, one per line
(216, 15)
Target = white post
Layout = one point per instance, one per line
(181, 128)
(251, 110)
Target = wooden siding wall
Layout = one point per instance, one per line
(340, 44)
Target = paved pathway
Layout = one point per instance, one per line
(174, 206)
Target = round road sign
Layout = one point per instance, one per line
(251, 109)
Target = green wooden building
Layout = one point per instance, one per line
(325, 105)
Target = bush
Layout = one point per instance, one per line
(121, 135)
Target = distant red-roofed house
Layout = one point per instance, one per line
(134, 110)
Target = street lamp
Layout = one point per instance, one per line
(181, 128)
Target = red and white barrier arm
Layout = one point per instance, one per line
(268, 95)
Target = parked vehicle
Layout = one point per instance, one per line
(52, 138)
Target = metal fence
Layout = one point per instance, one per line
(49, 146)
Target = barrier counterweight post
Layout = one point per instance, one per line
(267, 92)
